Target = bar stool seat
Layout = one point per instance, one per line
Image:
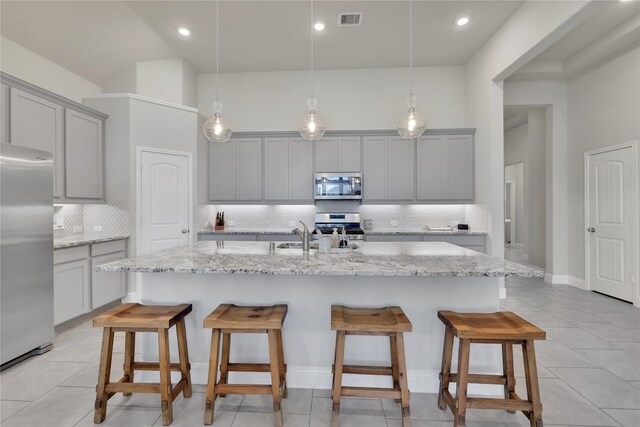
(504, 328)
(386, 321)
(132, 318)
(230, 318)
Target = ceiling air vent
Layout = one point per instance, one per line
(350, 19)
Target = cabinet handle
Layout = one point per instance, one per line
(591, 230)
(185, 231)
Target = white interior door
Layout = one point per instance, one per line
(165, 201)
(610, 223)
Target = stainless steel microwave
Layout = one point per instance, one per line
(337, 186)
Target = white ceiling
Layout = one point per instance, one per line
(97, 39)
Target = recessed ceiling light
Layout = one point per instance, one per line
(462, 21)
(184, 31)
(318, 26)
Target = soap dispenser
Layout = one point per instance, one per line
(344, 243)
(335, 240)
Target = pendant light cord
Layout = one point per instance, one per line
(411, 46)
(312, 37)
(217, 49)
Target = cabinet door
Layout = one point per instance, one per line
(37, 123)
(401, 177)
(249, 169)
(276, 168)
(429, 168)
(222, 171)
(70, 290)
(83, 156)
(375, 168)
(4, 113)
(106, 287)
(459, 167)
(349, 154)
(327, 155)
(300, 169)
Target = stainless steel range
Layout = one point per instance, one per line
(326, 222)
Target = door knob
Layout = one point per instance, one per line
(185, 231)
(591, 230)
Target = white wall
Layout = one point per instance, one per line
(536, 145)
(530, 30)
(551, 94)
(603, 110)
(357, 99)
(27, 65)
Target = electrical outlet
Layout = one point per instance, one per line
(395, 224)
(77, 229)
(97, 228)
(292, 223)
(207, 225)
(231, 223)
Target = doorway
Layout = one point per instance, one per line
(610, 209)
(164, 199)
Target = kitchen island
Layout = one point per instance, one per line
(421, 277)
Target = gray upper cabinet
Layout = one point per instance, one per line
(249, 169)
(222, 171)
(39, 123)
(388, 169)
(4, 113)
(338, 154)
(300, 169)
(276, 168)
(288, 166)
(236, 170)
(375, 172)
(401, 180)
(84, 153)
(445, 168)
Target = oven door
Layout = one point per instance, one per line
(337, 186)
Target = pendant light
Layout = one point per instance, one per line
(411, 124)
(215, 129)
(312, 127)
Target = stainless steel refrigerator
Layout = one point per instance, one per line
(26, 251)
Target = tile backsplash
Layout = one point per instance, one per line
(280, 216)
(78, 219)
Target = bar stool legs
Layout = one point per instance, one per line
(213, 376)
(104, 374)
(275, 376)
(337, 378)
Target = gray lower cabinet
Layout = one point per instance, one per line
(445, 168)
(339, 154)
(475, 242)
(388, 169)
(71, 288)
(394, 238)
(220, 237)
(38, 123)
(288, 166)
(77, 289)
(83, 156)
(236, 170)
(106, 287)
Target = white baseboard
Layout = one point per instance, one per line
(515, 245)
(577, 283)
(564, 279)
(420, 381)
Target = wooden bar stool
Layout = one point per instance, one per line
(228, 319)
(132, 318)
(505, 328)
(387, 321)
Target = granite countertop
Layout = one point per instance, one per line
(84, 239)
(370, 259)
(376, 231)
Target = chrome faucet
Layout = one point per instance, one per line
(305, 235)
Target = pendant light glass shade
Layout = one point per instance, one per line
(215, 129)
(411, 124)
(312, 127)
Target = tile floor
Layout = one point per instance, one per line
(589, 376)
